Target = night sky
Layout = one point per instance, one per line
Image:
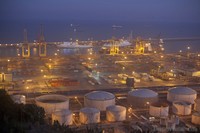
(101, 10)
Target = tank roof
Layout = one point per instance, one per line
(62, 112)
(182, 90)
(196, 114)
(160, 104)
(89, 110)
(100, 95)
(53, 98)
(116, 108)
(182, 103)
(143, 93)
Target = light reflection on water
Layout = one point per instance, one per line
(14, 52)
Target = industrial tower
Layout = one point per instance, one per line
(25, 46)
(42, 44)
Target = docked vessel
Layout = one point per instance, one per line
(121, 43)
(74, 45)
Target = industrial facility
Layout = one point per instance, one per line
(116, 84)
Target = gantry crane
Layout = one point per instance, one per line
(42, 44)
(25, 46)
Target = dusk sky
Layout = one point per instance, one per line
(101, 10)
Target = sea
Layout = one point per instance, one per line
(12, 32)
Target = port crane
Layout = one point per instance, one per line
(25, 46)
(42, 44)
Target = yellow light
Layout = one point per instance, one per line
(161, 56)
(41, 70)
(155, 52)
(89, 58)
(49, 59)
(122, 52)
(8, 60)
(125, 57)
(45, 76)
(27, 87)
(55, 54)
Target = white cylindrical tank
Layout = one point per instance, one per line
(62, 116)
(182, 108)
(159, 109)
(140, 97)
(197, 105)
(19, 99)
(89, 115)
(52, 103)
(196, 118)
(115, 113)
(99, 100)
(181, 94)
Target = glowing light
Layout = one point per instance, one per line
(55, 54)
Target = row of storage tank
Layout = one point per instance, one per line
(58, 107)
(182, 99)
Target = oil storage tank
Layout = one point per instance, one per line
(52, 103)
(140, 97)
(89, 115)
(159, 109)
(115, 113)
(62, 116)
(99, 100)
(196, 118)
(197, 105)
(181, 94)
(182, 108)
(19, 99)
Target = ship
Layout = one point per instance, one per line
(122, 43)
(74, 45)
